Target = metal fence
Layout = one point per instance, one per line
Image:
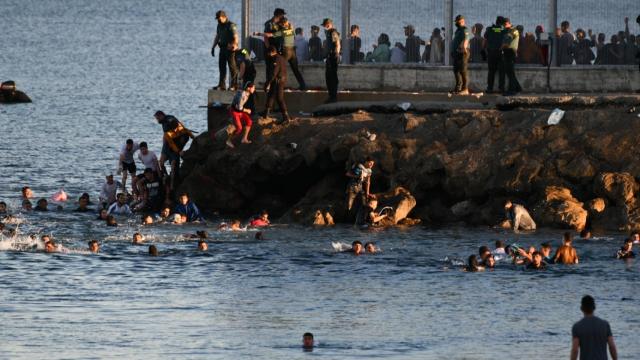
(390, 17)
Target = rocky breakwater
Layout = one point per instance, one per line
(437, 163)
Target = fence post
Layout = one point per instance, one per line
(346, 31)
(246, 19)
(553, 24)
(448, 33)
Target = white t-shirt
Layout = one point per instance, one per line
(150, 160)
(128, 154)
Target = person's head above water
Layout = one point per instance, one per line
(627, 245)
(484, 251)
(111, 221)
(635, 236)
(585, 234)
(165, 212)
(26, 205)
(26, 192)
(121, 198)
(372, 203)
(202, 245)
(137, 238)
(307, 340)
(499, 244)
(42, 203)
(370, 247)
(153, 250)
(183, 198)
(50, 246)
(3, 206)
(545, 249)
(356, 247)
(536, 258)
(147, 220)
(94, 246)
(202, 234)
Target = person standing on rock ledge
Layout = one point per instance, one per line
(331, 62)
(274, 86)
(460, 54)
(518, 217)
(227, 40)
(360, 183)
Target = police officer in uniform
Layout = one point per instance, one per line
(288, 50)
(271, 27)
(247, 71)
(493, 43)
(274, 86)
(460, 54)
(227, 39)
(331, 62)
(509, 51)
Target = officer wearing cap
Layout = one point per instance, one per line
(247, 71)
(509, 51)
(271, 27)
(460, 54)
(331, 62)
(493, 43)
(227, 40)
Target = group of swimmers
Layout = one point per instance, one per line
(539, 259)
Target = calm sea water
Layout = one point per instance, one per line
(97, 71)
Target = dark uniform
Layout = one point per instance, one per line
(289, 53)
(276, 84)
(412, 48)
(460, 58)
(243, 57)
(226, 32)
(494, 35)
(331, 64)
(270, 27)
(315, 48)
(511, 38)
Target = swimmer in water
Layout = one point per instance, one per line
(3, 208)
(585, 234)
(165, 213)
(41, 205)
(626, 251)
(635, 237)
(202, 245)
(489, 262)
(50, 246)
(261, 221)
(102, 215)
(370, 248)
(200, 234)
(536, 262)
(83, 204)
(26, 193)
(566, 253)
(153, 250)
(545, 251)
(235, 225)
(307, 341)
(111, 221)
(147, 220)
(472, 265)
(484, 253)
(137, 239)
(45, 239)
(94, 246)
(27, 206)
(357, 248)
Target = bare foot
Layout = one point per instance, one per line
(230, 144)
(246, 141)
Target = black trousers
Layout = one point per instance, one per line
(460, 62)
(276, 93)
(494, 61)
(508, 69)
(331, 76)
(227, 57)
(289, 54)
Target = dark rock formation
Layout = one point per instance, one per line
(457, 165)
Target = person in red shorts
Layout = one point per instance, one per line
(241, 110)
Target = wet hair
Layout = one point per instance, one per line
(308, 334)
(159, 114)
(299, 31)
(353, 244)
(129, 142)
(111, 221)
(144, 218)
(202, 234)
(236, 221)
(567, 237)
(628, 240)
(588, 304)
(84, 196)
(144, 145)
(26, 202)
(201, 241)
(472, 263)
(42, 201)
(536, 253)
(90, 243)
(499, 244)
(545, 245)
(3, 203)
(153, 250)
(483, 249)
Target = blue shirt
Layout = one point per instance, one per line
(191, 210)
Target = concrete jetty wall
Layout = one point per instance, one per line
(420, 77)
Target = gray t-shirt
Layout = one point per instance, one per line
(593, 334)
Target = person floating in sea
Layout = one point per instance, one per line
(120, 207)
(472, 265)
(261, 221)
(626, 251)
(138, 239)
(536, 262)
(111, 221)
(188, 208)
(566, 254)
(518, 217)
(370, 248)
(240, 111)
(42, 205)
(357, 248)
(307, 341)
(202, 245)
(83, 203)
(94, 246)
